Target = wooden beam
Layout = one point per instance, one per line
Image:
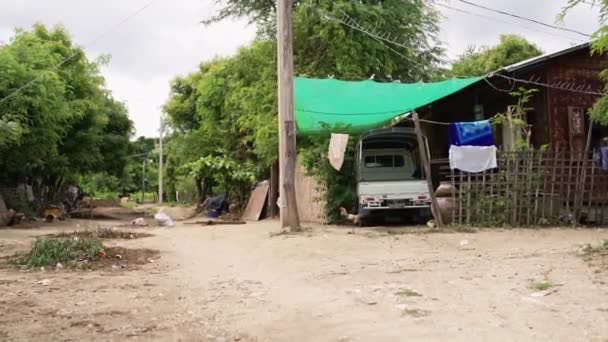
(422, 148)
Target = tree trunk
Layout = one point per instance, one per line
(200, 190)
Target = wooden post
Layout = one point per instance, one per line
(580, 185)
(273, 191)
(160, 161)
(287, 126)
(422, 148)
(143, 181)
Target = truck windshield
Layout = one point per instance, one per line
(390, 161)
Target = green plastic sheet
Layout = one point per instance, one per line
(364, 104)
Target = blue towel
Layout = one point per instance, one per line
(477, 133)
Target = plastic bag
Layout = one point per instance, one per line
(163, 219)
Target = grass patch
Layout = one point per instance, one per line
(415, 313)
(48, 251)
(408, 293)
(602, 248)
(103, 233)
(542, 286)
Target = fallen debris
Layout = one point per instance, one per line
(216, 223)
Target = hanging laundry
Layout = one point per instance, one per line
(476, 133)
(604, 158)
(473, 158)
(337, 148)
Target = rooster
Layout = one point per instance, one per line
(350, 217)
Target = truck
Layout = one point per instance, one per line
(390, 178)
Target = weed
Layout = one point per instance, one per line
(408, 293)
(415, 312)
(599, 249)
(542, 285)
(48, 251)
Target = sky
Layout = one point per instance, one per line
(166, 39)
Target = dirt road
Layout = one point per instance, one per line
(231, 283)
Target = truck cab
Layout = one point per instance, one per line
(390, 178)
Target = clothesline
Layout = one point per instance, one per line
(430, 122)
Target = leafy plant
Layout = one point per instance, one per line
(48, 251)
(516, 118)
(338, 187)
(233, 177)
(542, 286)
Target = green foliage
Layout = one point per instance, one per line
(338, 186)
(601, 248)
(48, 251)
(324, 46)
(599, 45)
(516, 117)
(231, 176)
(542, 286)
(65, 123)
(479, 61)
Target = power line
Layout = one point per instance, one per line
(524, 18)
(92, 42)
(493, 19)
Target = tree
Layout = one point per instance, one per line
(64, 123)
(227, 109)
(479, 61)
(599, 45)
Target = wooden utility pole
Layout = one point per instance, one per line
(287, 125)
(160, 162)
(422, 147)
(143, 180)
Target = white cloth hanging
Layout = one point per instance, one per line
(337, 148)
(473, 158)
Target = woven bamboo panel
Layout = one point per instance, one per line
(311, 205)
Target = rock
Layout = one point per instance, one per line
(139, 222)
(59, 265)
(114, 267)
(45, 282)
(42, 268)
(464, 243)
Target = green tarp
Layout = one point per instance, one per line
(364, 104)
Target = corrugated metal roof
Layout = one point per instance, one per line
(543, 58)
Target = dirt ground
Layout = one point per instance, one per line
(236, 283)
